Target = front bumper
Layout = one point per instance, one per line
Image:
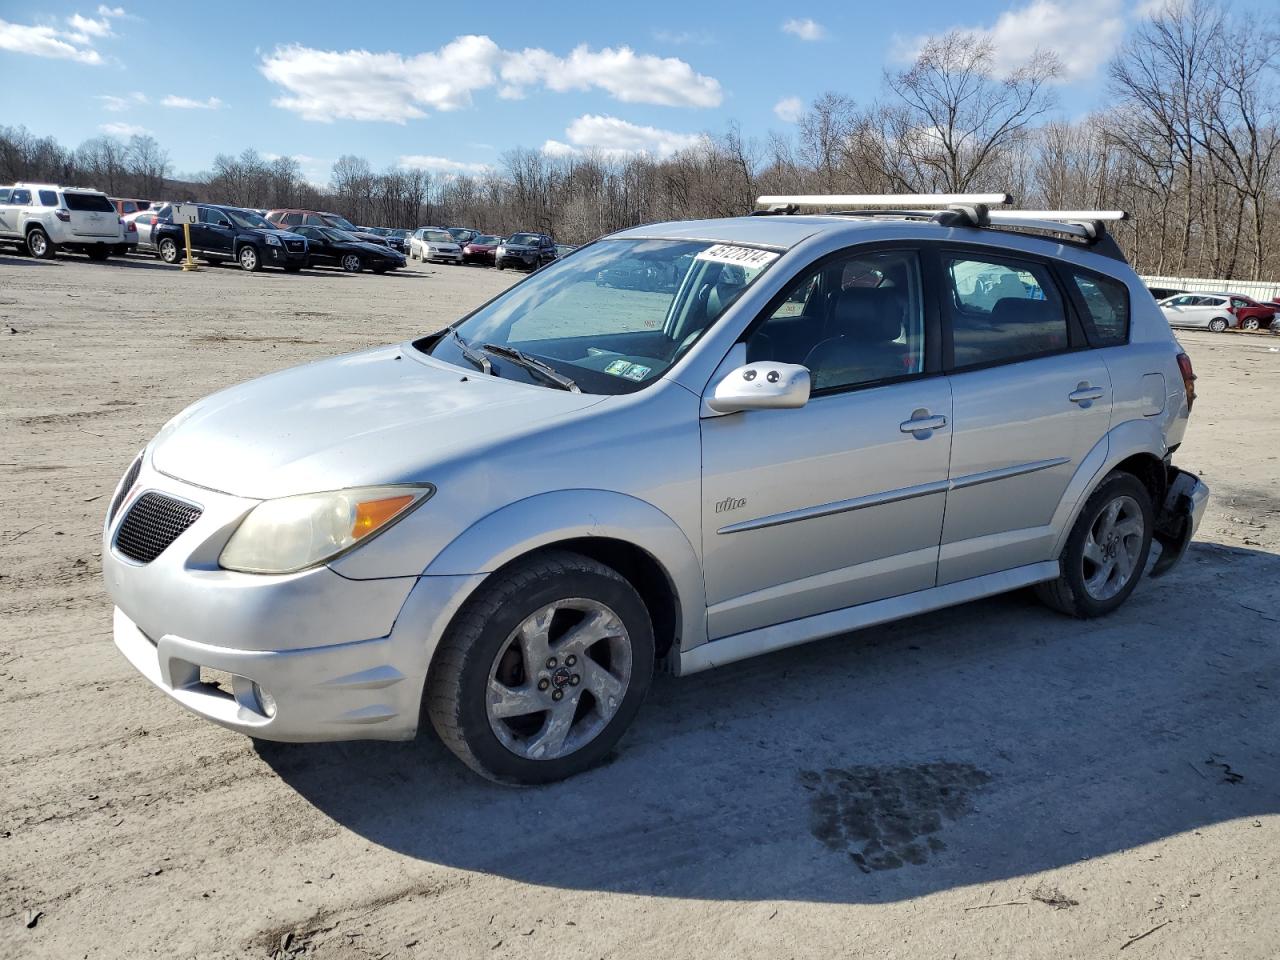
(281, 256)
(1178, 518)
(454, 256)
(337, 658)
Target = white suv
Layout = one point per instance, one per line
(44, 218)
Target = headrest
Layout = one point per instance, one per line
(869, 314)
(1020, 311)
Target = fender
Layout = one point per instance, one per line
(1119, 443)
(549, 518)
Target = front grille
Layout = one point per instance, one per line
(130, 478)
(295, 246)
(152, 523)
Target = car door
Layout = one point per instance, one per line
(8, 215)
(1029, 400)
(1177, 311)
(217, 235)
(839, 502)
(319, 246)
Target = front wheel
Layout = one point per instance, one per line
(250, 262)
(1106, 552)
(39, 245)
(1218, 325)
(543, 670)
(168, 251)
(352, 263)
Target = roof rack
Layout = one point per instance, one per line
(788, 204)
(960, 210)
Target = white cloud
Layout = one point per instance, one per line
(612, 137)
(123, 129)
(1083, 35)
(105, 11)
(325, 85)
(789, 109)
(186, 103)
(679, 38)
(44, 41)
(86, 27)
(805, 29)
(114, 104)
(441, 164)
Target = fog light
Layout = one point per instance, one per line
(265, 700)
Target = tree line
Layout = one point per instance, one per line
(1188, 143)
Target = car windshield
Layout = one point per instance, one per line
(248, 220)
(484, 240)
(340, 222)
(333, 233)
(524, 238)
(439, 236)
(615, 316)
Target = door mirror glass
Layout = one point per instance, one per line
(762, 386)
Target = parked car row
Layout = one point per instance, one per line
(1215, 311)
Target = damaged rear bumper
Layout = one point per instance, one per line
(1178, 518)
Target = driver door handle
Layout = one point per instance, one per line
(922, 421)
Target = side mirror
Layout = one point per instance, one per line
(762, 386)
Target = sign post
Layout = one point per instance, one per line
(187, 214)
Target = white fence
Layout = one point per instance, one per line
(1258, 289)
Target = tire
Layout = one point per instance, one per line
(1075, 592)
(1218, 325)
(98, 253)
(500, 266)
(39, 245)
(352, 263)
(484, 648)
(168, 251)
(250, 259)
(1250, 323)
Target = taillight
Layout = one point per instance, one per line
(63, 215)
(133, 227)
(1188, 378)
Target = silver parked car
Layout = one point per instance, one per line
(1210, 311)
(825, 422)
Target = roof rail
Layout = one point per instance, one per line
(782, 202)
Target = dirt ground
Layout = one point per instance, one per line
(988, 781)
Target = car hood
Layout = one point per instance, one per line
(519, 247)
(282, 234)
(382, 416)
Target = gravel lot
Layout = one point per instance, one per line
(988, 781)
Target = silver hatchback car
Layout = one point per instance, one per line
(804, 425)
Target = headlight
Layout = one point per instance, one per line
(501, 250)
(293, 533)
(273, 240)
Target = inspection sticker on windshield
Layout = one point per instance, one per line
(742, 256)
(625, 368)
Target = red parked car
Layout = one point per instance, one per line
(480, 249)
(1250, 314)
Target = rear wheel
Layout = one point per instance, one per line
(1250, 323)
(168, 250)
(352, 263)
(250, 262)
(1217, 325)
(39, 245)
(1107, 550)
(543, 670)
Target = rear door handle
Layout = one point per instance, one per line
(922, 422)
(1085, 393)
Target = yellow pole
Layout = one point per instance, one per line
(186, 238)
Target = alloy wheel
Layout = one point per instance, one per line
(559, 679)
(37, 243)
(1112, 548)
(351, 263)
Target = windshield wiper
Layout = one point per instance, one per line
(472, 356)
(533, 365)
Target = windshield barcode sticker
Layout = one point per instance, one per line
(742, 256)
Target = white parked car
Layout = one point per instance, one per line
(433, 243)
(44, 218)
(1202, 310)
(144, 222)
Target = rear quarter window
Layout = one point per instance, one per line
(48, 198)
(89, 203)
(1104, 307)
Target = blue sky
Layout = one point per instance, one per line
(450, 86)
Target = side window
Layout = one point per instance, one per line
(20, 198)
(1106, 309)
(4, 195)
(1002, 312)
(48, 198)
(852, 321)
(1237, 302)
